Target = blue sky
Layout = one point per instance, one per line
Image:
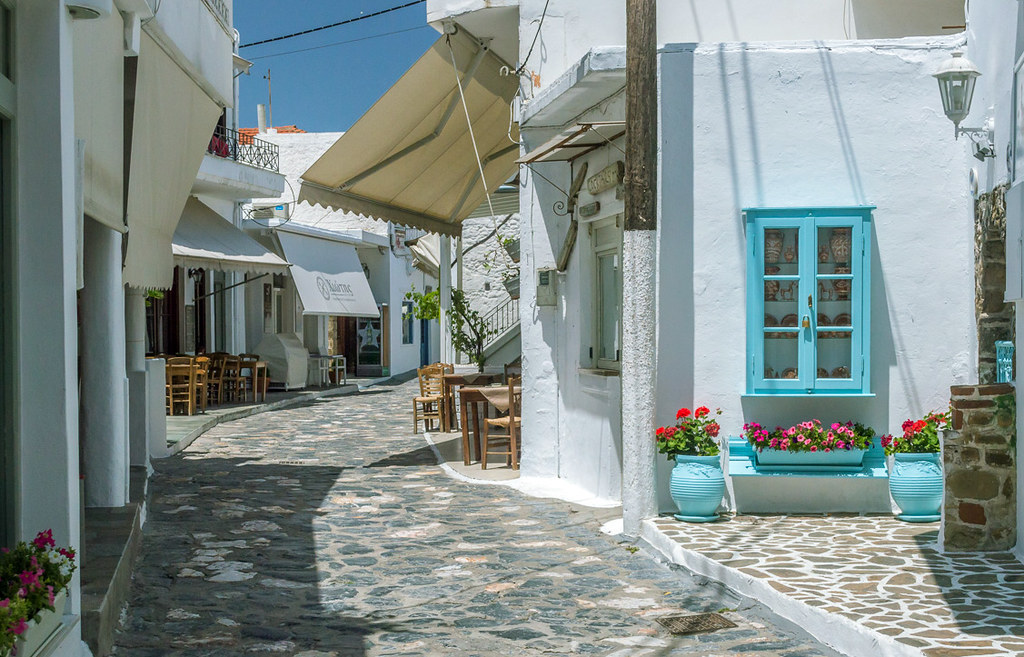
(328, 88)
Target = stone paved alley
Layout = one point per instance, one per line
(328, 530)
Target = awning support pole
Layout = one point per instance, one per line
(467, 75)
(445, 285)
(225, 289)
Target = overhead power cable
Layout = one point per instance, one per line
(339, 43)
(338, 24)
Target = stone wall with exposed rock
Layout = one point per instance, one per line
(980, 510)
(995, 317)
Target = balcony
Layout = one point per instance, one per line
(239, 167)
(228, 143)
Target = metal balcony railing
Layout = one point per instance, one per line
(500, 319)
(231, 144)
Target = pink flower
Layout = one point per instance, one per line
(50, 595)
(5, 603)
(44, 539)
(814, 448)
(19, 627)
(840, 445)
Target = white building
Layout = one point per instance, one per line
(820, 112)
(108, 109)
(374, 329)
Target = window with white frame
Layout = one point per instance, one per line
(606, 240)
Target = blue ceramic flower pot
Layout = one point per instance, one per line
(697, 486)
(915, 484)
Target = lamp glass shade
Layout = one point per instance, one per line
(956, 79)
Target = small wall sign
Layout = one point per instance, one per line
(606, 178)
(590, 209)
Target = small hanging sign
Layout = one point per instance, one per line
(606, 178)
(590, 209)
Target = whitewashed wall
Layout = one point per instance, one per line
(571, 28)
(802, 125)
(571, 428)
(484, 289)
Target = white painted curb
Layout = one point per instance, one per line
(835, 631)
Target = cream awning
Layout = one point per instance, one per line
(99, 115)
(328, 277)
(426, 254)
(173, 123)
(576, 141)
(410, 159)
(205, 240)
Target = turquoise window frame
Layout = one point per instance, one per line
(807, 221)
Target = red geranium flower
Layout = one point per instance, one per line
(682, 412)
(701, 411)
(713, 429)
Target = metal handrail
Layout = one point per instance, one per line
(233, 145)
(500, 319)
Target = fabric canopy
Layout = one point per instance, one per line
(426, 254)
(328, 277)
(205, 240)
(173, 123)
(576, 141)
(410, 159)
(99, 115)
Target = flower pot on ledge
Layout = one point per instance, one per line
(837, 458)
(42, 628)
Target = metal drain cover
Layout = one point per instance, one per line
(695, 623)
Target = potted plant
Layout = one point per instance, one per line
(810, 444)
(511, 246)
(34, 579)
(697, 482)
(915, 478)
(510, 279)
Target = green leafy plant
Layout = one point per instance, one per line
(426, 305)
(468, 329)
(694, 434)
(919, 436)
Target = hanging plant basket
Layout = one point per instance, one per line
(512, 286)
(512, 249)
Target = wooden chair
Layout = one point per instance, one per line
(202, 366)
(231, 374)
(179, 360)
(215, 379)
(247, 376)
(513, 369)
(509, 424)
(428, 406)
(180, 385)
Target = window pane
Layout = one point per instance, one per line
(608, 310)
(834, 250)
(835, 354)
(781, 355)
(781, 251)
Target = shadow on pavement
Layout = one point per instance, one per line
(231, 566)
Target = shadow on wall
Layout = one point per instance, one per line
(251, 563)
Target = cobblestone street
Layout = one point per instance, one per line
(327, 530)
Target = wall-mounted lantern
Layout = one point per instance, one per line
(956, 78)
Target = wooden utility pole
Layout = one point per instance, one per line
(270, 101)
(639, 263)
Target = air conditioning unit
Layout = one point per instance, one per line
(266, 212)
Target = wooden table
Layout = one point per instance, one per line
(256, 379)
(448, 381)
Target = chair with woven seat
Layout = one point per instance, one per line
(231, 374)
(202, 367)
(428, 406)
(510, 424)
(180, 387)
(215, 379)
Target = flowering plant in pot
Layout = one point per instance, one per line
(915, 478)
(697, 482)
(34, 578)
(810, 443)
